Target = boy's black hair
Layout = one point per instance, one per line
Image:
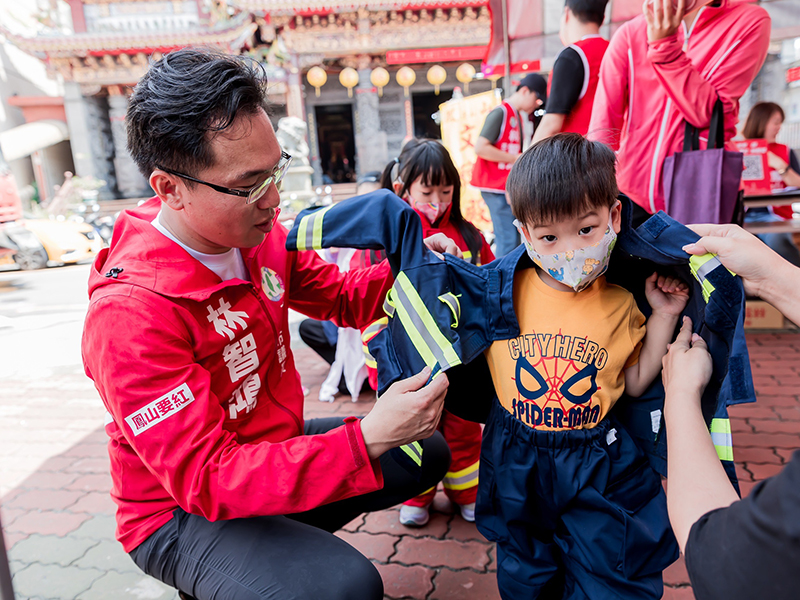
(561, 177)
(183, 100)
(588, 11)
(430, 160)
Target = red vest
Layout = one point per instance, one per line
(591, 50)
(490, 176)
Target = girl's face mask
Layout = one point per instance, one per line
(575, 268)
(432, 211)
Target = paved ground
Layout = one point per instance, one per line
(58, 517)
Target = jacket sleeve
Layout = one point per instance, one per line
(695, 96)
(193, 456)
(351, 299)
(611, 98)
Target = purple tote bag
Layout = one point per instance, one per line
(702, 186)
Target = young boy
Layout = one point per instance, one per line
(571, 501)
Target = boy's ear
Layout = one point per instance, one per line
(616, 217)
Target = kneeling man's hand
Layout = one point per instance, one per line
(408, 411)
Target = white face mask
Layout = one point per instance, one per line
(575, 268)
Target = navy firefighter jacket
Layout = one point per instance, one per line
(445, 313)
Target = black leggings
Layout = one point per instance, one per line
(283, 557)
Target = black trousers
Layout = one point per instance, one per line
(292, 557)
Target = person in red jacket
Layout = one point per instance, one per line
(424, 176)
(223, 491)
(576, 72)
(664, 68)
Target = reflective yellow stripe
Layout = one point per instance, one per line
(451, 301)
(317, 237)
(721, 436)
(414, 452)
(700, 267)
(374, 329)
(388, 304)
(312, 222)
(463, 479)
(301, 233)
(467, 255)
(369, 360)
(420, 326)
(428, 491)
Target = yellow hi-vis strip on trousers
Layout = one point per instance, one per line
(420, 326)
(701, 266)
(414, 451)
(463, 479)
(309, 231)
(721, 436)
(369, 333)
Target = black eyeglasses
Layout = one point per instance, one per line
(255, 192)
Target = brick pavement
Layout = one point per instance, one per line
(58, 518)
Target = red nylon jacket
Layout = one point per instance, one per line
(205, 403)
(647, 90)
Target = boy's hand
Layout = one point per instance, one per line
(667, 296)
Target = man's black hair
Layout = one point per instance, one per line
(183, 100)
(561, 177)
(588, 11)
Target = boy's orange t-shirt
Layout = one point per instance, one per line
(566, 368)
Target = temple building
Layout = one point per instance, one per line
(359, 76)
(363, 105)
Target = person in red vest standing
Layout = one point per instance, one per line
(764, 122)
(576, 72)
(498, 147)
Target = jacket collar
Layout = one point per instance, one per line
(141, 255)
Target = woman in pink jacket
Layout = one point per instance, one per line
(666, 66)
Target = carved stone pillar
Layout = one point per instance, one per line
(90, 137)
(130, 182)
(371, 145)
(294, 91)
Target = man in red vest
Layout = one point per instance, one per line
(576, 72)
(498, 147)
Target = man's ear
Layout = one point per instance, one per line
(616, 217)
(168, 188)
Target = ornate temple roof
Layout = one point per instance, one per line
(302, 7)
(230, 35)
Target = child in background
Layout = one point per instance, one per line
(424, 176)
(323, 336)
(574, 507)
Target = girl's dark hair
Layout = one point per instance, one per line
(756, 124)
(560, 178)
(429, 160)
(183, 100)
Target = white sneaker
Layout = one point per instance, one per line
(414, 516)
(468, 512)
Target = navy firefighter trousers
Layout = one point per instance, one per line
(576, 515)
